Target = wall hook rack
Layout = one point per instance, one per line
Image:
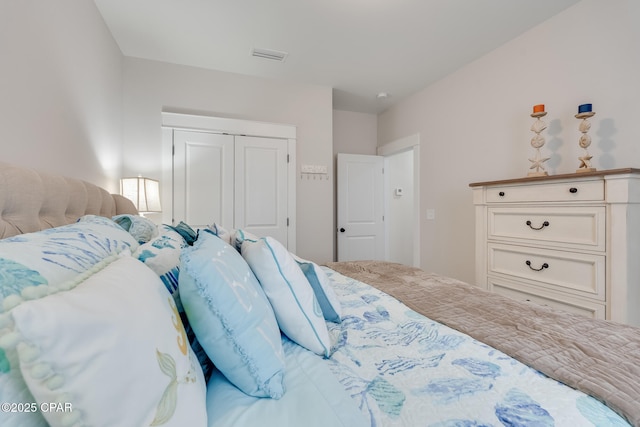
(314, 172)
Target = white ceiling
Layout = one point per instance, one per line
(357, 47)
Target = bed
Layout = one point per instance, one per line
(109, 319)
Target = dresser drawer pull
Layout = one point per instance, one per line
(501, 194)
(573, 190)
(545, 265)
(544, 224)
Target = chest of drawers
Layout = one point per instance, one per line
(571, 241)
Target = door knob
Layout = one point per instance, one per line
(342, 230)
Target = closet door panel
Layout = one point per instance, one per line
(203, 178)
(261, 186)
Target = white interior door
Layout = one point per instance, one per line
(203, 178)
(261, 191)
(360, 207)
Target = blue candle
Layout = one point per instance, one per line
(584, 108)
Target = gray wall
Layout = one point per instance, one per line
(151, 87)
(474, 124)
(61, 90)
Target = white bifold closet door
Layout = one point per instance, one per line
(261, 186)
(203, 178)
(235, 181)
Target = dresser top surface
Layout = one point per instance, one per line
(575, 175)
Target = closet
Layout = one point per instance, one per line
(236, 173)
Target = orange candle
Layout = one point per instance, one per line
(538, 108)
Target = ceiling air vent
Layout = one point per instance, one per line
(274, 55)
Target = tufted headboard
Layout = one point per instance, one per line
(32, 201)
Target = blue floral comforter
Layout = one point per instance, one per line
(404, 369)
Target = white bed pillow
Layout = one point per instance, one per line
(162, 255)
(294, 303)
(224, 234)
(238, 236)
(112, 350)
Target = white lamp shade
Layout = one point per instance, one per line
(143, 192)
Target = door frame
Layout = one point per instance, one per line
(178, 121)
(411, 142)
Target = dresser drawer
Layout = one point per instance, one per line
(572, 272)
(556, 192)
(514, 290)
(572, 227)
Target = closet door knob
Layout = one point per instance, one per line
(342, 230)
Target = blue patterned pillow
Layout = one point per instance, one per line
(35, 265)
(185, 230)
(231, 317)
(162, 255)
(35, 261)
(141, 228)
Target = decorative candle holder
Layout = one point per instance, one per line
(538, 141)
(584, 113)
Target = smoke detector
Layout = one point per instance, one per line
(382, 95)
(273, 55)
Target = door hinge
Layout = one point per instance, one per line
(287, 222)
(287, 158)
(382, 218)
(173, 150)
